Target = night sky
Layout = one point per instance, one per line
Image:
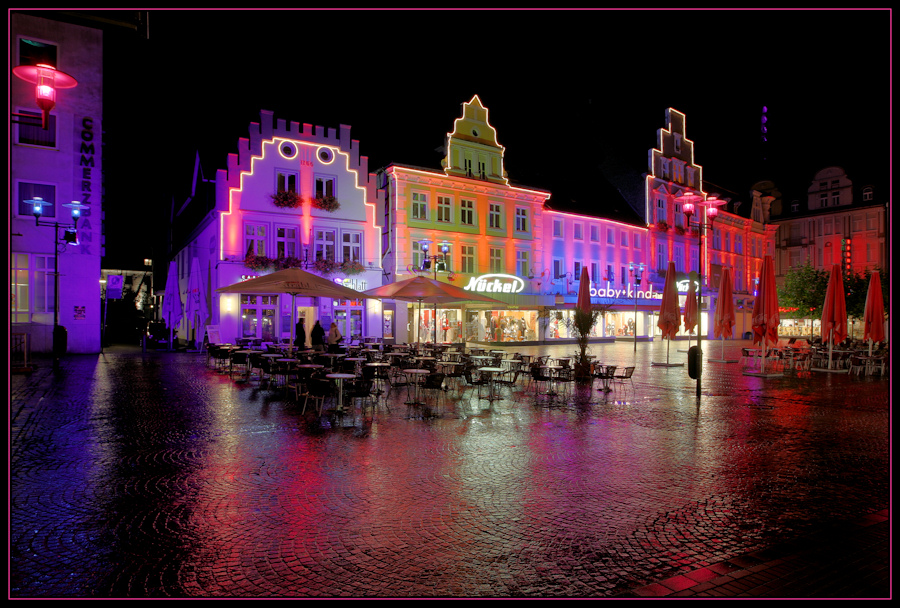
(568, 91)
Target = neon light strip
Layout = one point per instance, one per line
(493, 129)
(595, 218)
(546, 195)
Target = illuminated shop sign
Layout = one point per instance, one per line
(356, 284)
(496, 283)
(628, 292)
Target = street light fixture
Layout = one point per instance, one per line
(70, 235)
(637, 271)
(47, 80)
(439, 264)
(689, 201)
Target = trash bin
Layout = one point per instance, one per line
(695, 361)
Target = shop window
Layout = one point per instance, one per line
(258, 315)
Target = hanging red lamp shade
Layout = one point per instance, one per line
(47, 80)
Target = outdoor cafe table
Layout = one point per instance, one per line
(377, 378)
(416, 372)
(339, 379)
(356, 360)
(490, 372)
(552, 371)
(604, 375)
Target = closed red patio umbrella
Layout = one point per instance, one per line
(834, 312)
(873, 318)
(724, 319)
(691, 318)
(669, 313)
(766, 317)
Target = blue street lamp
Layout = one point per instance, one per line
(69, 235)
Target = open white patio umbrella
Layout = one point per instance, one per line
(172, 310)
(429, 291)
(295, 282)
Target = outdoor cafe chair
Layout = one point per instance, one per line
(318, 390)
(606, 374)
(625, 375)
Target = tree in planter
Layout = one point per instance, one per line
(582, 323)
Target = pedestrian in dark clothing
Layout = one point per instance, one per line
(317, 337)
(300, 339)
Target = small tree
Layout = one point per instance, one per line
(804, 288)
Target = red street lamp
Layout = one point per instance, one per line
(689, 200)
(47, 80)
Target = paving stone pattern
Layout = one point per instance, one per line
(154, 475)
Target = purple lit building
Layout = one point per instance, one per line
(59, 165)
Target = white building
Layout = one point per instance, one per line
(247, 233)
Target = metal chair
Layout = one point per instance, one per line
(625, 375)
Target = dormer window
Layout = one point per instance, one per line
(678, 143)
(867, 193)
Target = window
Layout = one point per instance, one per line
(258, 316)
(286, 242)
(467, 165)
(467, 213)
(636, 241)
(443, 209)
(660, 257)
(325, 186)
(595, 234)
(31, 133)
(679, 216)
(416, 254)
(610, 236)
(255, 239)
(727, 241)
(494, 216)
(557, 228)
(823, 199)
(660, 209)
(871, 221)
(28, 282)
(30, 191)
(558, 269)
(33, 52)
(679, 258)
(324, 244)
(609, 274)
(419, 206)
(738, 243)
(595, 272)
(623, 240)
(677, 139)
(717, 238)
(522, 263)
(482, 169)
(286, 181)
(695, 257)
(521, 220)
(496, 260)
(665, 168)
(867, 193)
(447, 256)
(468, 259)
(624, 275)
(351, 246)
(836, 198)
(576, 271)
(579, 232)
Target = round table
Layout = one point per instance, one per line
(552, 375)
(491, 371)
(339, 379)
(416, 372)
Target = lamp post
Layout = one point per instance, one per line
(637, 271)
(47, 80)
(689, 200)
(69, 236)
(439, 264)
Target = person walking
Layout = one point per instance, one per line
(300, 339)
(334, 338)
(317, 337)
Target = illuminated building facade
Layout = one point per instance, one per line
(736, 240)
(486, 232)
(293, 196)
(840, 223)
(59, 165)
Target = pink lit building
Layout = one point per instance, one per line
(293, 195)
(736, 241)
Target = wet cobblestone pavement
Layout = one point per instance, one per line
(153, 475)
